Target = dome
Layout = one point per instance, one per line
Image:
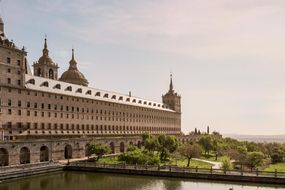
(73, 75)
(45, 59)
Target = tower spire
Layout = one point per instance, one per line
(45, 50)
(72, 62)
(72, 58)
(171, 84)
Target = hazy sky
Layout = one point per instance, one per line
(227, 56)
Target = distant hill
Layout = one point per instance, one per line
(257, 138)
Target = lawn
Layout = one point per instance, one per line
(180, 162)
(280, 167)
(193, 163)
(109, 160)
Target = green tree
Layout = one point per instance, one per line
(190, 151)
(151, 144)
(226, 163)
(206, 142)
(98, 149)
(255, 159)
(277, 154)
(166, 145)
(139, 156)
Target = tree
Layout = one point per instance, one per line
(226, 163)
(136, 155)
(255, 159)
(207, 143)
(166, 145)
(190, 151)
(277, 154)
(98, 149)
(151, 144)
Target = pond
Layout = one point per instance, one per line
(103, 181)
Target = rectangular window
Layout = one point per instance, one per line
(8, 60)
(18, 62)
(9, 102)
(9, 80)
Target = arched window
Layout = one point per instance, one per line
(57, 86)
(68, 152)
(122, 147)
(4, 157)
(44, 154)
(24, 155)
(45, 84)
(106, 95)
(39, 72)
(50, 74)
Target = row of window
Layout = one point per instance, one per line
(97, 118)
(82, 110)
(74, 99)
(18, 82)
(9, 61)
(42, 126)
(104, 95)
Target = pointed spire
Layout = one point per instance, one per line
(171, 84)
(45, 50)
(72, 62)
(72, 54)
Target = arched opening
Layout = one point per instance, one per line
(122, 147)
(4, 157)
(112, 146)
(25, 155)
(44, 154)
(68, 152)
(87, 151)
(139, 144)
(50, 74)
(39, 72)
(131, 143)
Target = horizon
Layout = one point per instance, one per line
(226, 57)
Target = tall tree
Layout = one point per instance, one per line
(166, 145)
(190, 151)
(98, 149)
(206, 142)
(255, 159)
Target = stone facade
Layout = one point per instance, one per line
(35, 151)
(39, 106)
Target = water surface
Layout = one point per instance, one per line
(102, 181)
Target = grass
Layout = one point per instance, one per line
(279, 166)
(193, 163)
(180, 162)
(109, 160)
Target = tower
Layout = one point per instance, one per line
(73, 75)
(45, 67)
(171, 98)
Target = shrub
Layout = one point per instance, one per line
(226, 163)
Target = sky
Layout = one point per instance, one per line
(227, 57)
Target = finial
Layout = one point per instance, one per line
(72, 54)
(45, 46)
(45, 50)
(171, 84)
